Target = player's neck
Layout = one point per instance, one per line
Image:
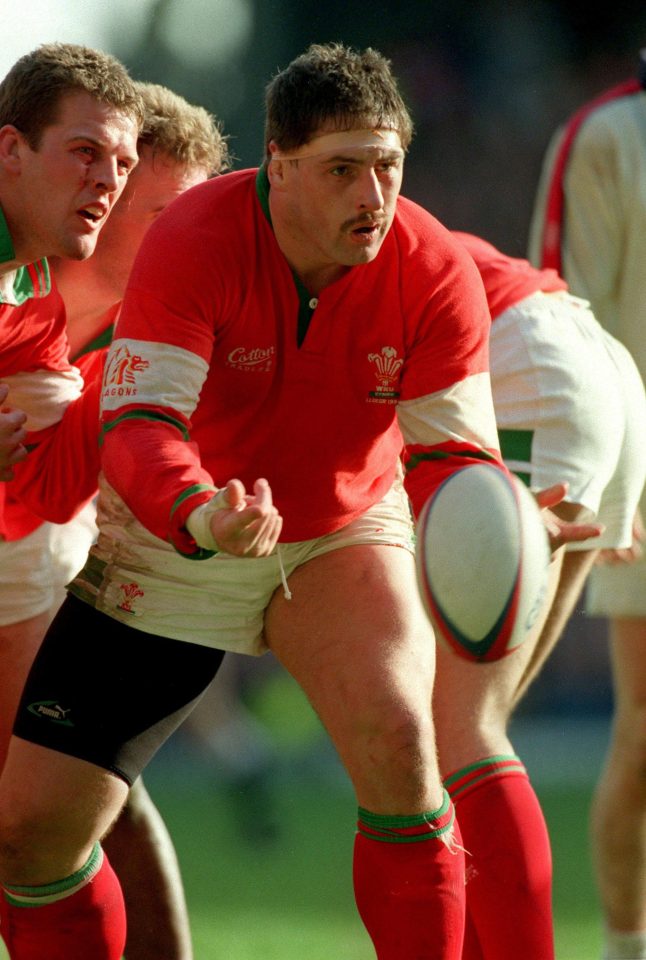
(87, 294)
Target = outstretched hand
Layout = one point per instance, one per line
(560, 531)
(249, 524)
(12, 436)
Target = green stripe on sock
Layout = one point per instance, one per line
(389, 825)
(481, 765)
(49, 892)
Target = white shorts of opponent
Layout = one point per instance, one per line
(570, 406)
(35, 569)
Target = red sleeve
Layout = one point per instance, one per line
(127, 454)
(428, 467)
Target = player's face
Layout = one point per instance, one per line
(342, 194)
(156, 182)
(69, 184)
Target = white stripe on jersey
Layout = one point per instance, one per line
(463, 413)
(145, 372)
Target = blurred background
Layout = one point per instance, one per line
(487, 82)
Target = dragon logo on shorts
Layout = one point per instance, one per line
(122, 369)
(388, 365)
(51, 710)
(130, 591)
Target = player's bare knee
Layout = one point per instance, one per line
(20, 842)
(403, 746)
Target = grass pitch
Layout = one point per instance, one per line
(290, 897)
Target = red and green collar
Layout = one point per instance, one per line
(31, 280)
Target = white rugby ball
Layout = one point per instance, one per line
(482, 560)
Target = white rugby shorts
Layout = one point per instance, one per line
(570, 406)
(219, 602)
(35, 569)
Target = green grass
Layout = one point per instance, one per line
(292, 898)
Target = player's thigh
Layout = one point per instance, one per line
(473, 701)
(574, 572)
(355, 637)
(109, 694)
(19, 643)
(628, 653)
(627, 756)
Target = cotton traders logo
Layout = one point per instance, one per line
(130, 591)
(121, 373)
(51, 710)
(387, 367)
(254, 360)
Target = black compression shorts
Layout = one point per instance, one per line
(109, 694)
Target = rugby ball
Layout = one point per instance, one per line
(482, 557)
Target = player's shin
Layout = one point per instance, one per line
(409, 883)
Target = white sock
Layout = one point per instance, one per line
(625, 946)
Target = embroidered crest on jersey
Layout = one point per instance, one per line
(121, 372)
(254, 360)
(130, 592)
(387, 367)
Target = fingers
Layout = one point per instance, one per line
(560, 532)
(251, 526)
(551, 496)
(234, 494)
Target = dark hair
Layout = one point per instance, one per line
(333, 85)
(31, 92)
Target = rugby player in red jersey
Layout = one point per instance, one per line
(284, 332)
(179, 145)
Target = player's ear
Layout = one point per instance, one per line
(275, 167)
(11, 141)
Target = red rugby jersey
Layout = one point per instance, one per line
(34, 364)
(206, 381)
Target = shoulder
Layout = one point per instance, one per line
(426, 243)
(612, 122)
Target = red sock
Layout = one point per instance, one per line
(508, 861)
(80, 918)
(409, 884)
(471, 948)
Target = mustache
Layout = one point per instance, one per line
(364, 220)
